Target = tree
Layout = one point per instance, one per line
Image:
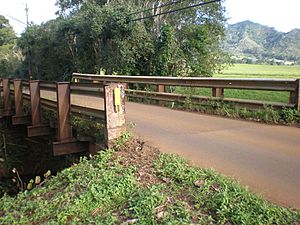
(169, 55)
(107, 35)
(10, 55)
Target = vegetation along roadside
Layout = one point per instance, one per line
(136, 184)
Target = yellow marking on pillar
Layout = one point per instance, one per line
(117, 99)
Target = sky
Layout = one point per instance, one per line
(282, 15)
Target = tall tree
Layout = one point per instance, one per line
(10, 55)
(114, 36)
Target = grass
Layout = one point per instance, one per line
(252, 71)
(137, 185)
(260, 71)
(271, 96)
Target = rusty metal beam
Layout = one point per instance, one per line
(218, 92)
(19, 118)
(7, 109)
(69, 146)
(65, 143)
(18, 97)
(35, 100)
(37, 128)
(173, 97)
(87, 89)
(297, 96)
(63, 111)
(246, 83)
(160, 88)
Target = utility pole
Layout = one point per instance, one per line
(29, 47)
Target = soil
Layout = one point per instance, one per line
(138, 153)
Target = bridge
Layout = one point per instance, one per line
(264, 157)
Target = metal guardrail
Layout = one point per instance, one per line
(248, 84)
(16, 91)
(216, 84)
(76, 88)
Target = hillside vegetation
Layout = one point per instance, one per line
(135, 184)
(251, 42)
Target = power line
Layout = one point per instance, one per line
(176, 10)
(16, 19)
(160, 6)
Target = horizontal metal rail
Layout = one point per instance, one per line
(182, 98)
(249, 84)
(90, 89)
(47, 86)
(86, 89)
(76, 110)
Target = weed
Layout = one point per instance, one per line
(105, 191)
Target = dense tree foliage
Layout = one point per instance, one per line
(102, 35)
(10, 55)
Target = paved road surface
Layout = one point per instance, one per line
(264, 157)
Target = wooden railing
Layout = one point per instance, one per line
(65, 143)
(217, 86)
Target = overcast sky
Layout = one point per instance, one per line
(283, 15)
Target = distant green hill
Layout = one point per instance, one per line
(250, 42)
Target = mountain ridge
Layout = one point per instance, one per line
(250, 42)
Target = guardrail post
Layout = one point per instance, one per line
(63, 111)
(218, 92)
(19, 117)
(7, 110)
(160, 88)
(114, 103)
(1, 87)
(37, 128)
(65, 143)
(297, 95)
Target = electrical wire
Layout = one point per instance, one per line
(176, 10)
(16, 20)
(158, 7)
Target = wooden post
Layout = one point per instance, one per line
(114, 103)
(160, 88)
(218, 92)
(36, 128)
(297, 95)
(63, 110)
(19, 117)
(6, 98)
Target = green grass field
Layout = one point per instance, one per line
(252, 71)
(260, 71)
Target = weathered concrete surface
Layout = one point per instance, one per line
(264, 157)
